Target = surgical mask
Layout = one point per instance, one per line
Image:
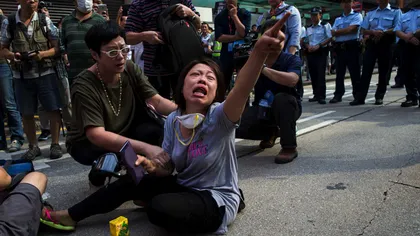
(191, 121)
(84, 6)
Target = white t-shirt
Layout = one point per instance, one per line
(206, 40)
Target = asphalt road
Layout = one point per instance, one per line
(357, 173)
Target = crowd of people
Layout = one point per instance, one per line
(105, 79)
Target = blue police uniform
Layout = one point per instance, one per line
(379, 19)
(317, 60)
(347, 48)
(410, 23)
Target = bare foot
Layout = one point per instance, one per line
(61, 217)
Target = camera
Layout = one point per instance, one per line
(241, 51)
(26, 62)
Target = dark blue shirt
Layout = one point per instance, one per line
(286, 63)
(225, 25)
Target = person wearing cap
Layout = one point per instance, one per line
(347, 47)
(378, 27)
(318, 36)
(408, 30)
(293, 24)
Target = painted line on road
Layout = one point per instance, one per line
(315, 127)
(314, 117)
(237, 140)
(370, 99)
(40, 165)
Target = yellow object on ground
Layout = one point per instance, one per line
(119, 227)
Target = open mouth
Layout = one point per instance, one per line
(200, 91)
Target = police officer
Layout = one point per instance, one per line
(408, 30)
(379, 26)
(318, 36)
(347, 47)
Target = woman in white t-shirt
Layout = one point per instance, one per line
(206, 38)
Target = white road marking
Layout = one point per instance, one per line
(370, 99)
(237, 140)
(40, 165)
(314, 117)
(315, 127)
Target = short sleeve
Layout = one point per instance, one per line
(294, 64)
(134, 21)
(365, 23)
(259, 20)
(87, 108)
(5, 36)
(168, 137)
(218, 26)
(246, 20)
(357, 19)
(52, 30)
(220, 118)
(397, 19)
(328, 30)
(398, 27)
(143, 85)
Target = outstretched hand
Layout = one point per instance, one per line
(270, 41)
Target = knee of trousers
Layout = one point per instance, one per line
(158, 214)
(284, 100)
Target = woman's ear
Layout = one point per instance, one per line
(94, 54)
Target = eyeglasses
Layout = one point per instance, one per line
(113, 53)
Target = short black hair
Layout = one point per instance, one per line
(220, 91)
(101, 34)
(254, 25)
(270, 23)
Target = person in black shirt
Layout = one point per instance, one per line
(232, 24)
(280, 75)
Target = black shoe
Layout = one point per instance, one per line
(379, 101)
(335, 100)
(322, 101)
(314, 99)
(356, 102)
(397, 86)
(409, 103)
(45, 135)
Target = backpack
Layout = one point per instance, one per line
(183, 43)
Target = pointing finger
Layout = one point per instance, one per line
(277, 27)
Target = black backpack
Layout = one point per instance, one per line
(182, 42)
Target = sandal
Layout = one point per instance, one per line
(54, 224)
